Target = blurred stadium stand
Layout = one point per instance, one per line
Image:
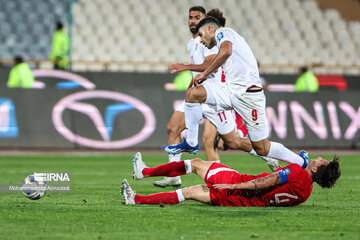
(147, 35)
(27, 27)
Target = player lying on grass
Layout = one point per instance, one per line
(287, 186)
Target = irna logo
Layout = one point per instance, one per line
(52, 177)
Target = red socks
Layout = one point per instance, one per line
(170, 169)
(157, 198)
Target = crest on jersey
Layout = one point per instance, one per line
(220, 36)
(287, 171)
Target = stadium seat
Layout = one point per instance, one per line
(285, 27)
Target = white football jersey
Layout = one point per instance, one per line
(240, 68)
(198, 52)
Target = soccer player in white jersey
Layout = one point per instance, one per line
(223, 121)
(217, 121)
(242, 92)
(201, 57)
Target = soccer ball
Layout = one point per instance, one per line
(33, 189)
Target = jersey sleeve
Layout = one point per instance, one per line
(284, 174)
(223, 35)
(289, 173)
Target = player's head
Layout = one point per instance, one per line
(206, 30)
(216, 13)
(323, 172)
(196, 14)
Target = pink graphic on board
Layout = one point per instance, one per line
(62, 75)
(73, 102)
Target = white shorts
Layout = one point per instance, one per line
(181, 107)
(250, 105)
(223, 120)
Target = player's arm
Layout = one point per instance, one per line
(272, 180)
(180, 67)
(224, 53)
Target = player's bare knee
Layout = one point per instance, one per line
(196, 164)
(195, 95)
(190, 95)
(261, 151)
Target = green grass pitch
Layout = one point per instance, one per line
(93, 209)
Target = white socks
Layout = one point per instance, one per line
(266, 159)
(187, 164)
(279, 151)
(193, 115)
(180, 195)
(174, 157)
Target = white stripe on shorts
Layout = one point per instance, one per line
(216, 170)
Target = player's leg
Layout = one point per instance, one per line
(251, 106)
(223, 122)
(232, 140)
(245, 145)
(193, 114)
(199, 193)
(279, 151)
(170, 169)
(209, 137)
(174, 128)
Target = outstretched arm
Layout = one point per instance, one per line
(180, 67)
(224, 53)
(273, 179)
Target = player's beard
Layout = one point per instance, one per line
(212, 43)
(193, 30)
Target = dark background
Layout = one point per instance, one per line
(33, 109)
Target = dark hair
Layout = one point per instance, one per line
(326, 176)
(206, 21)
(303, 69)
(216, 13)
(59, 25)
(18, 59)
(198, 8)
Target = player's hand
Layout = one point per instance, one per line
(200, 78)
(178, 67)
(224, 186)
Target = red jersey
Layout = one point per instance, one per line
(295, 190)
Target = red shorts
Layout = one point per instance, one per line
(219, 173)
